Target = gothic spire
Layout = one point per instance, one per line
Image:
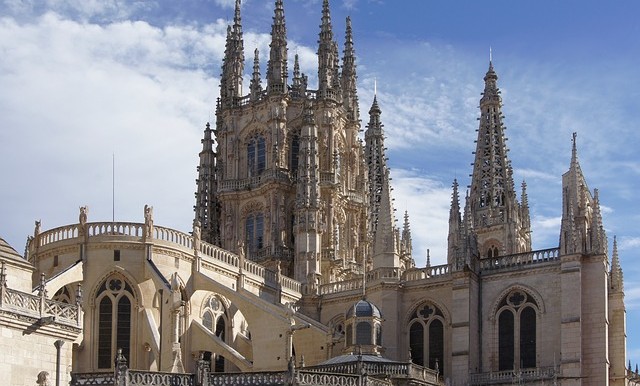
(575, 204)
(616, 270)
(299, 86)
(384, 240)
(455, 226)
(407, 248)
(525, 215)
(277, 67)
(256, 84)
(328, 61)
(349, 77)
(374, 155)
(206, 208)
(493, 199)
(233, 62)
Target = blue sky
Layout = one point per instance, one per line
(81, 80)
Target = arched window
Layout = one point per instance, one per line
(254, 230)
(492, 251)
(528, 337)
(363, 333)
(295, 154)
(256, 156)
(214, 318)
(426, 337)
(114, 320)
(517, 323)
(505, 340)
(436, 344)
(416, 343)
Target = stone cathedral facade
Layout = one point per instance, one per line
(295, 272)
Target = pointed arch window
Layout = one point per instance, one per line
(426, 337)
(256, 156)
(215, 319)
(254, 232)
(295, 154)
(517, 331)
(115, 300)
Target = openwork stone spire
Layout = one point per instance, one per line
(349, 77)
(277, 72)
(494, 207)
(375, 157)
(328, 61)
(256, 83)
(233, 62)
(454, 239)
(617, 282)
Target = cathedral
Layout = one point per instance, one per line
(295, 272)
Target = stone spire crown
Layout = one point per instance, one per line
(349, 77)
(277, 72)
(328, 61)
(233, 62)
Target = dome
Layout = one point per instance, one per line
(363, 308)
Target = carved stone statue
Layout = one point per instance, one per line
(148, 220)
(196, 234)
(43, 378)
(36, 230)
(82, 219)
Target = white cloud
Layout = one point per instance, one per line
(428, 203)
(126, 88)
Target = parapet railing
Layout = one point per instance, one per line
(250, 182)
(511, 376)
(170, 236)
(38, 306)
(249, 379)
(393, 370)
(519, 259)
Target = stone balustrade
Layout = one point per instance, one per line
(39, 307)
(513, 377)
(165, 237)
(520, 259)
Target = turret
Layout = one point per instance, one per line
(277, 72)
(581, 228)
(308, 227)
(494, 207)
(207, 204)
(233, 62)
